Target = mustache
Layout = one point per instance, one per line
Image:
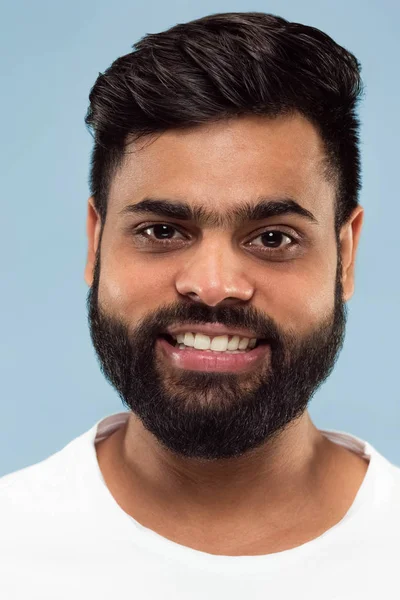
(227, 318)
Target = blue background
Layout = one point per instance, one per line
(52, 389)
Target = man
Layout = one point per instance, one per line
(223, 226)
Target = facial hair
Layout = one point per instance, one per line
(211, 415)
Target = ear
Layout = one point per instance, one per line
(93, 227)
(349, 237)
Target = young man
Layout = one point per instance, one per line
(223, 227)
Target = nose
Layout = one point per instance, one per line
(214, 275)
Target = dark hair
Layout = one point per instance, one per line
(226, 65)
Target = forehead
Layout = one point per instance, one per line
(219, 164)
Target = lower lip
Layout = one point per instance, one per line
(208, 360)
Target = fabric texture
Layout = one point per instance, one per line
(63, 536)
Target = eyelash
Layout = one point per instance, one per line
(140, 234)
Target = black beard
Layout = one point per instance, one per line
(214, 415)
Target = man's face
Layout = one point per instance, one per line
(290, 293)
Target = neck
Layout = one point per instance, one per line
(285, 493)
(272, 476)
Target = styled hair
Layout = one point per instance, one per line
(226, 65)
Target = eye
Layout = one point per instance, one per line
(274, 237)
(271, 237)
(159, 229)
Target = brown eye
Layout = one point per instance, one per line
(163, 235)
(162, 231)
(273, 239)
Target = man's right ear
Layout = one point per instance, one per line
(93, 228)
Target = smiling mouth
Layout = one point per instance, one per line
(188, 358)
(171, 340)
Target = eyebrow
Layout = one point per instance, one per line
(262, 208)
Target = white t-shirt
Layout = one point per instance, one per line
(63, 536)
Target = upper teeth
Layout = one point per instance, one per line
(219, 342)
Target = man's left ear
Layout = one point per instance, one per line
(349, 237)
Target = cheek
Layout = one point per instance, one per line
(129, 285)
(301, 300)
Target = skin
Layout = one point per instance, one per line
(294, 484)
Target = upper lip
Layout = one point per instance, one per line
(210, 329)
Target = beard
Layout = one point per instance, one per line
(214, 415)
